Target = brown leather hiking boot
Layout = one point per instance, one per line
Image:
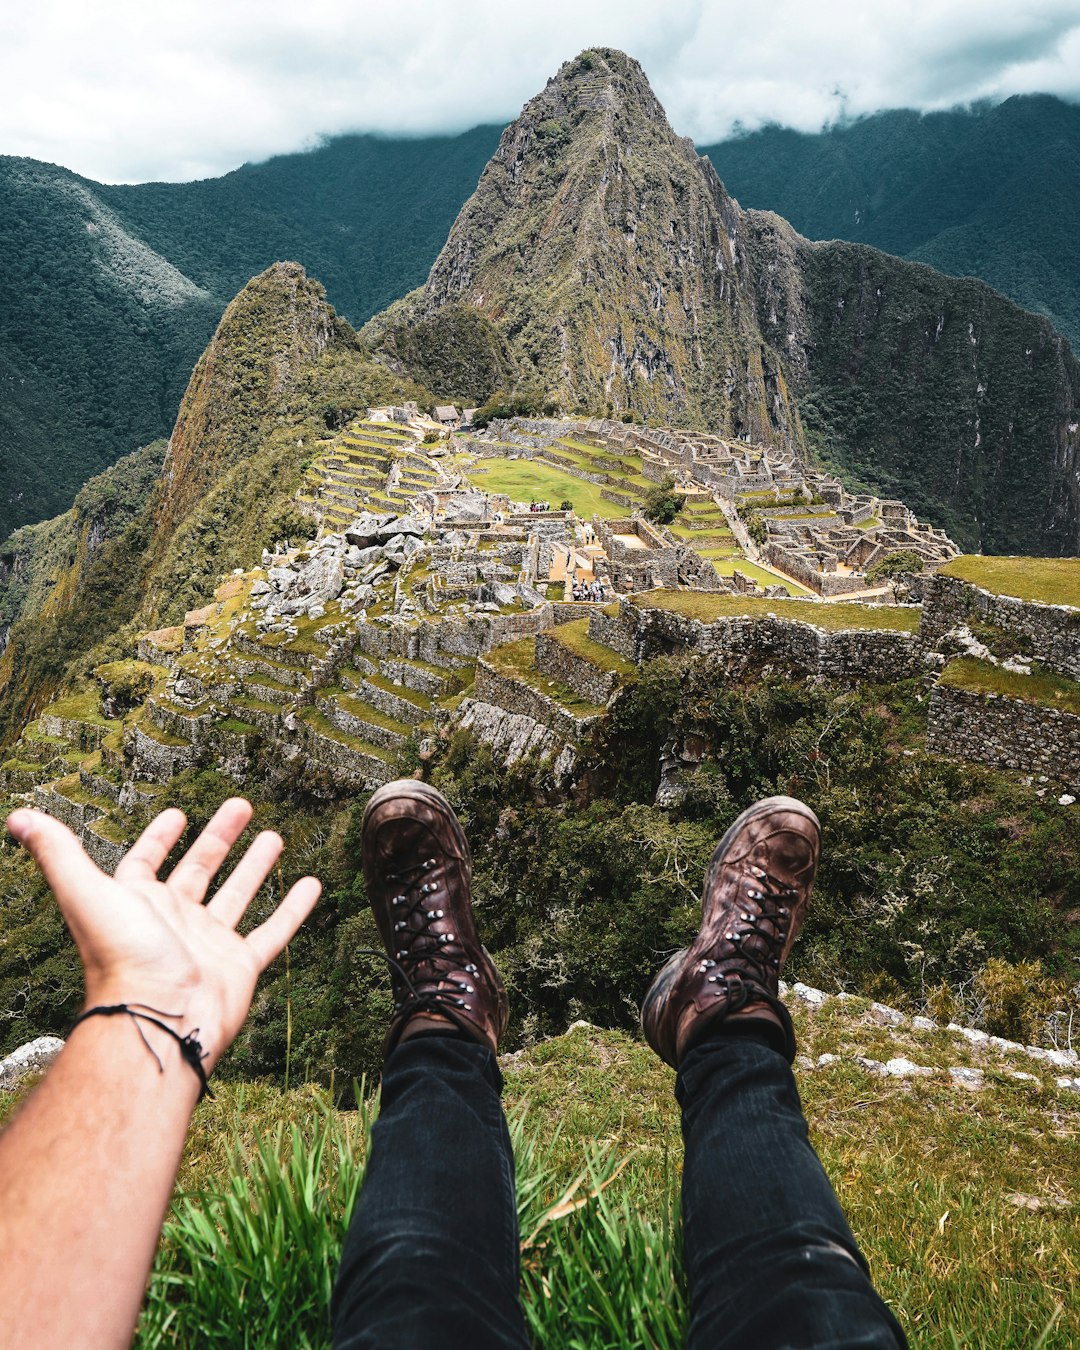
(418, 869)
(756, 891)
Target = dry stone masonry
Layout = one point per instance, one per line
(338, 656)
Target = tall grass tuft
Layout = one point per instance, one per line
(253, 1265)
(596, 1275)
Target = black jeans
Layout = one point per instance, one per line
(431, 1258)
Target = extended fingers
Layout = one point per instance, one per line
(71, 873)
(192, 875)
(247, 876)
(270, 937)
(143, 860)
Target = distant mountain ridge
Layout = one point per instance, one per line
(990, 191)
(602, 262)
(111, 293)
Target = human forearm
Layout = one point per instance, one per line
(86, 1170)
(88, 1163)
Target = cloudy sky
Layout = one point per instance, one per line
(130, 90)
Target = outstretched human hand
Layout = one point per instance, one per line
(143, 940)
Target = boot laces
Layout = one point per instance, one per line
(753, 942)
(424, 962)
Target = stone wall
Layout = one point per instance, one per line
(744, 643)
(1050, 633)
(801, 568)
(518, 697)
(1006, 733)
(586, 680)
(156, 762)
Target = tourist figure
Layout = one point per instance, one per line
(431, 1258)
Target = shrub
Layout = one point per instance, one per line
(662, 503)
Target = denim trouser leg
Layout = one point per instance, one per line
(770, 1257)
(431, 1261)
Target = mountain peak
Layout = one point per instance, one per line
(603, 250)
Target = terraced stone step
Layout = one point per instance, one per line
(20, 775)
(356, 717)
(67, 800)
(35, 745)
(274, 647)
(591, 669)
(405, 705)
(422, 676)
(349, 760)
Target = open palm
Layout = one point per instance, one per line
(144, 940)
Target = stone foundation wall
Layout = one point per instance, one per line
(585, 679)
(105, 852)
(744, 643)
(1050, 633)
(347, 767)
(1006, 733)
(83, 735)
(155, 762)
(802, 569)
(517, 697)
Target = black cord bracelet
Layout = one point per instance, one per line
(191, 1051)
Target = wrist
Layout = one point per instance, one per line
(166, 1038)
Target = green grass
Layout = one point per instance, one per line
(1053, 581)
(355, 704)
(535, 480)
(825, 614)
(320, 723)
(982, 677)
(84, 707)
(235, 727)
(412, 696)
(575, 637)
(517, 661)
(923, 1168)
(727, 567)
(112, 829)
(73, 790)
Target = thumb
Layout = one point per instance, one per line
(66, 865)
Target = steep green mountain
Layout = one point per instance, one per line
(600, 252)
(603, 263)
(937, 390)
(151, 537)
(987, 191)
(110, 293)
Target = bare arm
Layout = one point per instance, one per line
(88, 1164)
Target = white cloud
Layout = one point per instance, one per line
(123, 90)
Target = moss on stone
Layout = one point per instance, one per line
(983, 677)
(833, 616)
(1051, 581)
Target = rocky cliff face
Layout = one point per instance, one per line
(607, 255)
(937, 388)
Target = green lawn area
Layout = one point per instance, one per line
(983, 677)
(762, 575)
(831, 615)
(1054, 581)
(534, 480)
(575, 637)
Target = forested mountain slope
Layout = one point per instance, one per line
(111, 293)
(986, 191)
